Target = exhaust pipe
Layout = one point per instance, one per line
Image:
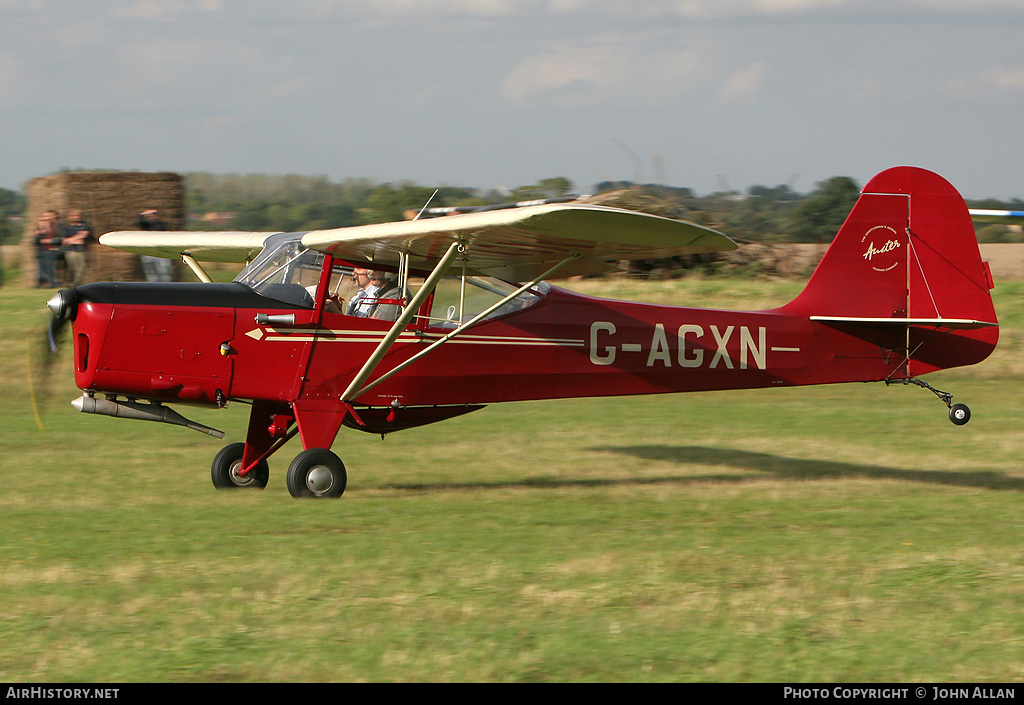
(144, 412)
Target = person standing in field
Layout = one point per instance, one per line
(77, 236)
(47, 241)
(157, 269)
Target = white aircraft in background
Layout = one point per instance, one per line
(994, 216)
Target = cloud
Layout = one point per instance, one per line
(966, 6)
(158, 63)
(300, 11)
(743, 86)
(645, 67)
(590, 68)
(12, 73)
(342, 9)
(162, 10)
(773, 7)
(1004, 79)
(992, 83)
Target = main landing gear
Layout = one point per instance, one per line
(958, 413)
(227, 464)
(316, 472)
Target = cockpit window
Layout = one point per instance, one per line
(455, 303)
(289, 272)
(285, 271)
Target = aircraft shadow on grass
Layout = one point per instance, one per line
(781, 467)
(788, 468)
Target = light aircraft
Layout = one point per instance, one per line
(901, 292)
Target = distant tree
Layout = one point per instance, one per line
(994, 204)
(12, 210)
(388, 202)
(253, 216)
(998, 233)
(555, 187)
(819, 218)
(674, 193)
(782, 192)
(750, 219)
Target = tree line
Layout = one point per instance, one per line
(262, 202)
(12, 214)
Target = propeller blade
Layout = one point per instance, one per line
(53, 333)
(44, 352)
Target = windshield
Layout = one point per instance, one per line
(286, 271)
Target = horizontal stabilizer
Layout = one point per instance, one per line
(952, 323)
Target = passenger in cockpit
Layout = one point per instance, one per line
(364, 301)
(389, 292)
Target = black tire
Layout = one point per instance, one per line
(317, 472)
(227, 463)
(959, 414)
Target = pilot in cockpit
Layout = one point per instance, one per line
(334, 301)
(361, 304)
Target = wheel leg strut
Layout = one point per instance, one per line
(958, 413)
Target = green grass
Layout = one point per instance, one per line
(832, 534)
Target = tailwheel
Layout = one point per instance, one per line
(317, 472)
(959, 414)
(227, 465)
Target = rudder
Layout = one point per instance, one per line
(907, 256)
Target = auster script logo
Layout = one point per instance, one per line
(892, 243)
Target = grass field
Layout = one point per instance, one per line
(833, 534)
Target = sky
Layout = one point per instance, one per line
(707, 94)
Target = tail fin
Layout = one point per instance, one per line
(907, 258)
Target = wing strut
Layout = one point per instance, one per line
(410, 310)
(196, 267)
(461, 327)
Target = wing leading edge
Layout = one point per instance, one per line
(522, 243)
(206, 247)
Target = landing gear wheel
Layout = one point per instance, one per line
(317, 472)
(959, 414)
(227, 463)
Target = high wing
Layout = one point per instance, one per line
(203, 246)
(515, 244)
(521, 243)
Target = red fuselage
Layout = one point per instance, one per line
(200, 343)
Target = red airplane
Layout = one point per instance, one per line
(901, 292)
